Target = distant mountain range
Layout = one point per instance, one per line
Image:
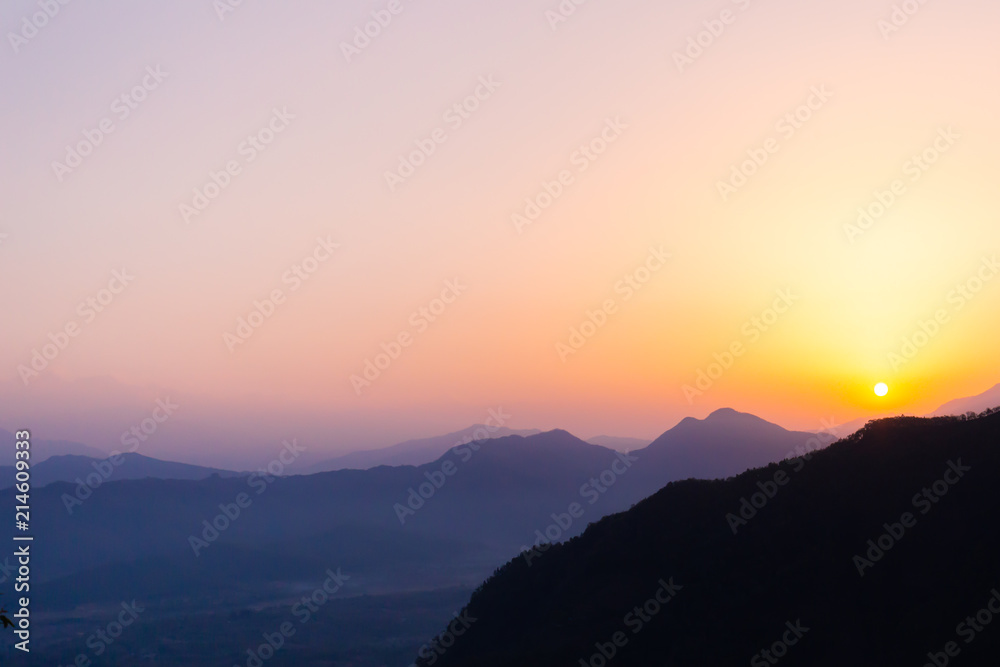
(414, 452)
(725, 443)
(984, 401)
(425, 450)
(168, 533)
(70, 467)
(43, 449)
(879, 550)
(472, 508)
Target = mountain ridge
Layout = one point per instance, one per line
(825, 542)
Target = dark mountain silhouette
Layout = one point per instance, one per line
(723, 444)
(501, 495)
(879, 550)
(44, 449)
(463, 515)
(414, 452)
(69, 468)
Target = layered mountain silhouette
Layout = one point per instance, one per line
(499, 491)
(492, 496)
(414, 452)
(70, 468)
(879, 550)
(155, 534)
(723, 444)
(44, 449)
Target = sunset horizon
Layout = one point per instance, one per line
(432, 278)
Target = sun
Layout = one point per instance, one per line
(881, 389)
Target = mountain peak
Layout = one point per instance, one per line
(724, 413)
(726, 442)
(729, 417)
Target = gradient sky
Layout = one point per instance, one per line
(680, 131)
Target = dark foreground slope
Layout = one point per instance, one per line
(740, 587)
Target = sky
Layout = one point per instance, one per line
(600, 217)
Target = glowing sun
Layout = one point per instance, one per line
(881, 389)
